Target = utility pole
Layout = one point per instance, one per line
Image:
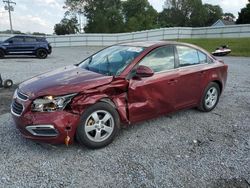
(10, 8)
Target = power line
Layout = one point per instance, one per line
(9, 8)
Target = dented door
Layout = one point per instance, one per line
(152, 96)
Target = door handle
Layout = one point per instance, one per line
(172, 81)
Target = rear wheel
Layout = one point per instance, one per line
(210, 97)
(41, 53)
(2, 54)
(99, 125)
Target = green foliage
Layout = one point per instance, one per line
(212, 14)
(228, 16)
(103, 16)
(74, 6)
(9, 32)
(191, 13)
(244, 15)
(38, 33)
(139, 15)
(113, 16)
(66, 26)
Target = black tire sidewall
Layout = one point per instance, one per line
(38, 53)
(1, 54)
(204, 107)
(5, 83)
(80, 132)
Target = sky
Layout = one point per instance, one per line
(42, 15)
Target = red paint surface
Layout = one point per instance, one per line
(135, 99)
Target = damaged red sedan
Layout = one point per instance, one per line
(118, 85)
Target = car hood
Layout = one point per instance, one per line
(66, 80)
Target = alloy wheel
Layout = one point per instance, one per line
(211, 97)
(99, 126)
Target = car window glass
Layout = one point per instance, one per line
(17, 39)
(112, 60)
(40, 39)
(202, 57)
(30, 39)
(187, 56)
(160, 59)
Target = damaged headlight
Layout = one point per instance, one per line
(51, 103)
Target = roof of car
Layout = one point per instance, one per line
(142, 43)
(150, 43)
(147, 44)
(29, 36)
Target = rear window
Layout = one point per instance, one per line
(41, 39)
(30, 39)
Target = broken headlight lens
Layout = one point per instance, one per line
(51, 103)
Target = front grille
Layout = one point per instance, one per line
(22, 96)
(17, 108)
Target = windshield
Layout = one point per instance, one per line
(112, 60)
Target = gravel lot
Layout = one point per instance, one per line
(185, 149)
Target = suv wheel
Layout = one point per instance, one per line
(2, 54)
(99, 125)
(41, 53)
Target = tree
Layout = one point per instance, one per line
(183, 13)
(66, 26)
(103, 16)
(139, 15)
(38, 33)
(74, 6)
(212, 14)
(228, 16)
(244, 15)
(196, 13)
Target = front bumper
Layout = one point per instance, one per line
(50, 49)
(49, 127)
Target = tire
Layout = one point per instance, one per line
(98, 126)
(2, 54)
(41, 53)
(7, 83)
(210, 97)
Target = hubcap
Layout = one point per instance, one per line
(99, 126)
(211, 97)
(9, 84)
(42, 54)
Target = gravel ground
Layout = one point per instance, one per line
(184, 149)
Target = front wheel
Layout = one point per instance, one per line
(210, 97)
(41, 53)
(99, 125)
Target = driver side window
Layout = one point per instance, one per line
(160, 59)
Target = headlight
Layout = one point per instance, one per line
(51, 104)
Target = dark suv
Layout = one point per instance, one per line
(25, 45)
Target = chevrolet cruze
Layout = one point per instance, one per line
(119, 85)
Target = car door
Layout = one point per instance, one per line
(14, 45)
(149, 97)
(29, 44)
(191, 73)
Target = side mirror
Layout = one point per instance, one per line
(144, 71)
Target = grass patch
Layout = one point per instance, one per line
(239, 46)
